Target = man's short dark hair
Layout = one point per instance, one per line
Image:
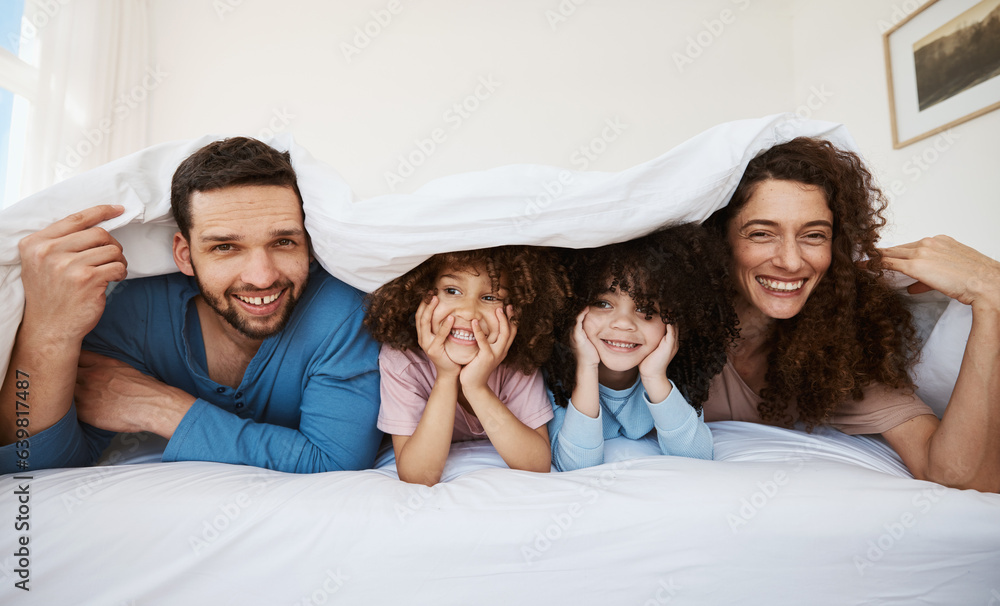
(227, 163)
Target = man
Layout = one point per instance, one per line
(252, 355)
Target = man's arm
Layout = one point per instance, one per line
(65, 269)
(336, 412)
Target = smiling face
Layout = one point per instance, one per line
(249, 252)
(467, 294)
(781, 242)
(622, 334)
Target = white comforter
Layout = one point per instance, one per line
(782, 517)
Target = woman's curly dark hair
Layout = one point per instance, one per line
(537, 287)
(682, 272)
(854, 330)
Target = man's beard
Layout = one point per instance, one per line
(231, 314)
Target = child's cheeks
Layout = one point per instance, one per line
(467, 296)
(620, 332)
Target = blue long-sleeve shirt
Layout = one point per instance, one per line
(308, 400)
(578, 440)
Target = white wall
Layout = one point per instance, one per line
(955, 191)
(556, 83)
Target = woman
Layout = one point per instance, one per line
(824, 340)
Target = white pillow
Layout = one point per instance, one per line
(941, 356)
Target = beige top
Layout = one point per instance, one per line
(730, 399)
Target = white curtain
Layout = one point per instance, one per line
(96, 77)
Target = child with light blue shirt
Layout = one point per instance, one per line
(648, 330)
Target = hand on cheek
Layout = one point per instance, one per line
(432, 338)
(653, 369)
(583, 347)
(492, 350)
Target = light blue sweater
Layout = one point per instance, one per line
(578, 440)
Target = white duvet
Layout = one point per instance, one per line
(781, 517)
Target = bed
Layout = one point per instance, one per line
(780, 517)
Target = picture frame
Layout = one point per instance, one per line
(943, 67)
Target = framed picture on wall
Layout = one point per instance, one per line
(943, 67)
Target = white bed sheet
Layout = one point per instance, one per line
(782, 517)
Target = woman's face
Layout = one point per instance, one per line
(781, 242)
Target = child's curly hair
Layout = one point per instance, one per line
(682, 271)
(536, 283)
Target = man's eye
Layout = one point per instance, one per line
(285, 242)
(223, 247)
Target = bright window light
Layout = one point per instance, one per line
(13, 109)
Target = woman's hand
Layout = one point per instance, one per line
(653, 369)
(491, 353)
(431, 338)
(942, 263)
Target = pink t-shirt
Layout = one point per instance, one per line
(407, 380)
(731, 399)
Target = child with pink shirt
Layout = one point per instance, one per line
(463, 335)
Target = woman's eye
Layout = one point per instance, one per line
(817, 237)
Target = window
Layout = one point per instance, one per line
(13, 107)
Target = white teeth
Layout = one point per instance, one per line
(780, 286)
(622, 344)
(259, 300)
(464, 335)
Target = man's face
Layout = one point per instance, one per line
(249, 253)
